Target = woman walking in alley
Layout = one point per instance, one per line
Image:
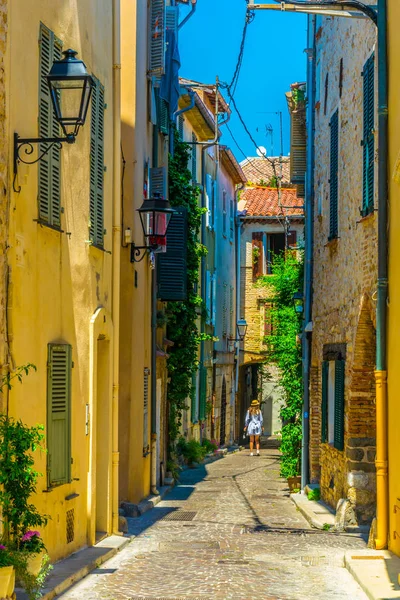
(254, 425)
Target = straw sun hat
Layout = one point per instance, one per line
(255, 403)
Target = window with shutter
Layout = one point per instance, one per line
(162, 109)
(158, 181)
(276, 246)
(208, 297)
(193, 398)
(157, 37)
(203, 393)
(225, 310)
(339, 404)
(214, 299)
(333, 181)
(231, 313)
(224, 213)
(368, 142)
(172, 265)
(232, 220)
(257, 254)
(49, 176)
(59, 365)
(324, 402)
(180, 127)
(208, 199)
(96, 223)
(194, 158)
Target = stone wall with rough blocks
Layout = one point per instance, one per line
(345, 268)
(4, 181)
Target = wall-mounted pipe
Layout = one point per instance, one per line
(188, 16)
(308, 251)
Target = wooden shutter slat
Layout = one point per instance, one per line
(96, 198)
(334, 167)
(257, 254)
(59, 413)
(368, 135)
(158, 181)
(157, 37)
(324, 403)
(172, 265)
(339, 404)
(49, 177)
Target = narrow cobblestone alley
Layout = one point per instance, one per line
(228, 531)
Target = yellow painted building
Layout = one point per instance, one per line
(59, 260)
(394, 279)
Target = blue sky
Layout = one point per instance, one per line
(273, 59)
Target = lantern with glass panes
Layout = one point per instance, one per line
(155, 215)
(70, 88)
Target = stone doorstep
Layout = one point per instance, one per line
(376, 572)
(319, 514)
(76, 566)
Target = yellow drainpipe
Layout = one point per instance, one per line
(381, 462)
(116, 250)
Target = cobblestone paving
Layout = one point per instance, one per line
(240, 538)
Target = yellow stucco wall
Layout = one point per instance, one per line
(394, 277)
(57, 281)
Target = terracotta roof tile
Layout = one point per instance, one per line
(257, 169)
(264, 202)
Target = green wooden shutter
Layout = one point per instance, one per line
(193, 396)
(368, 135)
(203, 393)
(333, 181)
(324, 403)
(180, 127)
(158, 181)
(49, 178)
(96, 223)
(172, 20)
(339, 404)
(59, 414)
(157, 37)
(162, 109)
(172, 265)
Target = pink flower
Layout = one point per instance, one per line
(2, 547)
(30, 534)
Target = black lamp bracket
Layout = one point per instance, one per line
(136, 251)
(24, 147)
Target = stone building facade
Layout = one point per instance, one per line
(265, 228)
(342, 389)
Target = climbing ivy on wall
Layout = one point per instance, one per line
(182, 316)
(284, 350)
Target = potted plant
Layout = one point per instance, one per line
(33, 545)
(7, 572)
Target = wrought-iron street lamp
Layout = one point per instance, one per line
(155, 215)
(298, 301)
(70, 88)
(241, 327)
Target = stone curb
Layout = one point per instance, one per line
(64, 570)
(300, 501)
(376, 572)
(306, 506)
(152, 501)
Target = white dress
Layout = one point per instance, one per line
(254, 423)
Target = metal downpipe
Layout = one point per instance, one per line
(308, 258)
(382, 498)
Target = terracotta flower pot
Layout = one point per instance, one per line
(7, 582)
(294, 483)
